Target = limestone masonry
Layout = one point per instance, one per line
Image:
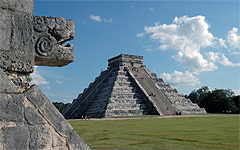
(28, 120)
(128, 88)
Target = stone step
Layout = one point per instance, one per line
(126, 106)
(126, 88)
(120, 112)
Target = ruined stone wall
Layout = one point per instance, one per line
(28, 119)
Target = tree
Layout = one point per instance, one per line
(60, 106)
(216, 101)
(236, 100)
(196, 96)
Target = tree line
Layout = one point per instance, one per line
(215, 101)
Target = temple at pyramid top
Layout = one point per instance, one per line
(128, 88)
(126, 60)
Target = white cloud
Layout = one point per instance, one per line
(37, 78)
(140, 34)
(222, 59)
(212, 56)
(226, 62)
(221, 42)
(180, 79)
(151, 9)
(148, 48)
(195, 61)
(233, 38)
(188, 35)
(95, 18)
(108, 20)
(236, 92)
(184, 32)
(46, 88)
(99, 19)
(58, 81)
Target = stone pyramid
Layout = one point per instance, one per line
(127, 88)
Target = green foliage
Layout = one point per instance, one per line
(60, 106)
(29, 78)
(167, 134)
(236, 100)
(216, 101)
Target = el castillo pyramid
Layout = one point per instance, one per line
(128, 88)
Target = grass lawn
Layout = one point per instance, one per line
(171, 133)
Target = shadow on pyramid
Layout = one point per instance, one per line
(128, 88)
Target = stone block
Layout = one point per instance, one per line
(5, 29)
(39, 100)
(75, 142)
(11, 107)
(40, 137)
(15, 138)
(18, 5)
(33, 117)
(6, 85)
(16, 50)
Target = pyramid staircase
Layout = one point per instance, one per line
(128, 89)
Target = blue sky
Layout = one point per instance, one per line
(189, 44)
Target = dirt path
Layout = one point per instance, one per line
(158, 117)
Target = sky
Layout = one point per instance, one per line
(189, 44)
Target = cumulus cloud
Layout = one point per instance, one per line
(233, 38)
(180, 79)
(212, 56)
(221, 42)
(222, 59)
(226, 62)
(195, 61)
(184, 32)
(37, 78)
(189, 35)
(95, 18)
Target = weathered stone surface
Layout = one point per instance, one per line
(75, 142)
(11, 107)
(6, 86)
(16, 50)
(15, 138)
(5, 29)
(39, 100)
(18, 5)
(33, 117)
(50, 33)
(40, 137)
(28, 120)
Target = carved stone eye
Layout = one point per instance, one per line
(44, 46)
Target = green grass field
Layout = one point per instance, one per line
(172, 133)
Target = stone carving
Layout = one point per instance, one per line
(50, 33)
(28, 120)
(128, 88)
